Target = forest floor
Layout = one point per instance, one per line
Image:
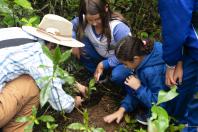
(103, 102)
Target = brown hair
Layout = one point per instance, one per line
(130, 46)
(94, 7)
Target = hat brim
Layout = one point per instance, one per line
(69, 42)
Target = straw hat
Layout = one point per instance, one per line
(55, 29)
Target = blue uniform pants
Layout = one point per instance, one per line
(90, 59)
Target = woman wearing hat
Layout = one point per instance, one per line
(21, 55)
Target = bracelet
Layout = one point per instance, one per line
(170, 67)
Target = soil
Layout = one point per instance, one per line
(96, 113)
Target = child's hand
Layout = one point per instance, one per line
(99, 71)
(78, 101)
(178, 74)
(132, 82)
(76, 52)
(81, 88)
(118, 115)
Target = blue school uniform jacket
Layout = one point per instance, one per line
(179, 29)
(151, 73)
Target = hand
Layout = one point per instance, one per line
(76, 52)
(178, 74)
(170, 77)
(118, 115)
(81, 88)
(99, 71)
(78, 101)
(132, 82)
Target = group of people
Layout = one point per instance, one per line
(103, 43)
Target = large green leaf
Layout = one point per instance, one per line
(46, 118)
(164, 96)
(23, 119)
(92, 83)
(47, 51)
(45, 93)
(24, 3)
(4, 8)
(76, 126)
(57, 55)
(65, 56)
(162, 120)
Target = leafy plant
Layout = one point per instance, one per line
(49, 120)
(159, 121)
(17, 13)
(57, 58)
(91, 87)
(85, 125)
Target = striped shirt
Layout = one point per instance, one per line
(27, 59)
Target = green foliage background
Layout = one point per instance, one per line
(142, 15)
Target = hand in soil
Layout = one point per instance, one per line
(81, 88)
(99, 71)
(78, 101)
(118, 115)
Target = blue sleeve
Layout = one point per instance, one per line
(120, 31)
(129, 103)
(176, 21)
(75, 23)
(151, 83)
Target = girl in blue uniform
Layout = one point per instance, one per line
(100, 29)
(148, 78)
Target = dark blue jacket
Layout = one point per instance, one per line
(177, 29)
(151, 73)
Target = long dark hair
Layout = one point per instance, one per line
(129, 46)
(94, 7)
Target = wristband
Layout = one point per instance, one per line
(170, 67)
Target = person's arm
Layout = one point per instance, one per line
(120, 31)
(176, 21)
(59, 100)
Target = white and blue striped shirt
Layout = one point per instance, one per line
(27, 59)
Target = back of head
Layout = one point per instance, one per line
(130, 46)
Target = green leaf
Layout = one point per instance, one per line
(34, 21)
(69, 79)
(127, 118)
(166, 96)
(76, 126)
(24, 3)
(57, 55)
(4, 8)
(29, 128)
(53, 126)
(162, 121)
(93, 88)
(44, 94)
(92, 82)
(34, 111)
(65, 56)
(23, 119)
(46, 118)
(99, 130)
(144, 35)
(47, 51)
(9, 20)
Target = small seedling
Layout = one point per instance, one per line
(85, 125)
(49, 120)
(91, 87)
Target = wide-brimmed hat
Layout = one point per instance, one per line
(55, 29)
